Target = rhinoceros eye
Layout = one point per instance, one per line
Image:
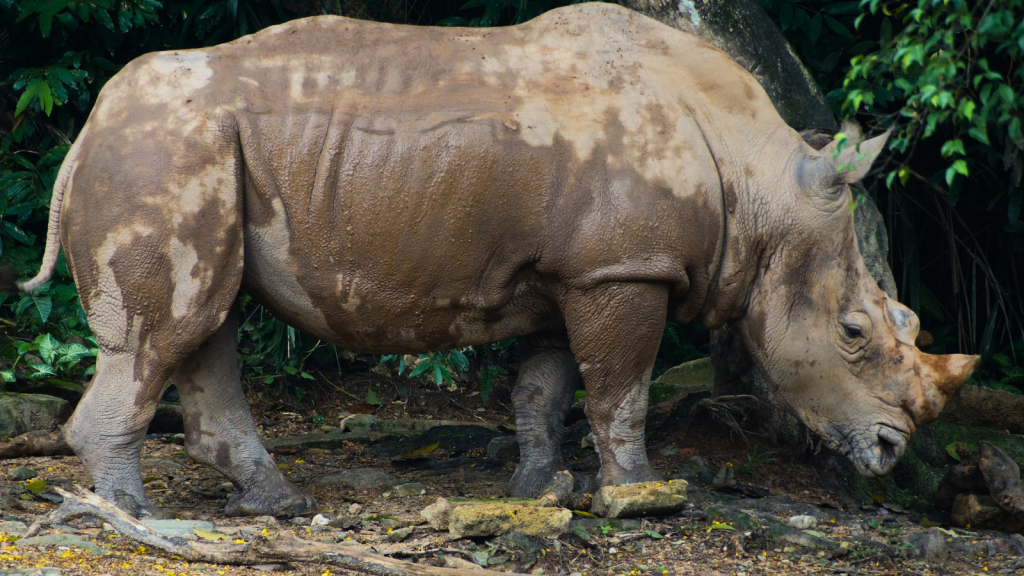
(852, 331)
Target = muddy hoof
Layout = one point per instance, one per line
(528, 482)
(287, 501)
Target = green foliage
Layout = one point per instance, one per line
(951, 69)
(755, 460)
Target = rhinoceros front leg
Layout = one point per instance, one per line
(615, 330)
(548, 376)
(219, 431)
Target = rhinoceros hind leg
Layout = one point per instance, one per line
(548, 376)
(219, 431)
(107, 435)
(615, 330)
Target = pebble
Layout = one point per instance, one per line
(803, 522)
(300, 521)
(355, 509)
(410, 489)
(13, 528)
(399, 535)
(320, 520)
(21, 473)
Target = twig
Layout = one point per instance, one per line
(285, 547)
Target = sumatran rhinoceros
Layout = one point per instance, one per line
(575, 182)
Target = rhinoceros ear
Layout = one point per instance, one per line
(856, 158)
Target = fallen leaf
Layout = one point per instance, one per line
(208, 535)
(422, 450)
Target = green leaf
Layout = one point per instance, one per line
(17, 233)
(653, 534)
(979, 134)
(306, 375)
(838, 27)
(26, 97)
(958, 167)
(48, 346)
(814, 29)
(420, 369)
(209, 536)
(45, 97)
(720, 527)
(785, 15)
(43, 307)
(7, 375)
(291, 370)
(37, 486)
(372, 398)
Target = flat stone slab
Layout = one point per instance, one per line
(359, 479)
(640, 499)
(59, 539)
(439, 514)
(178, 528)
(501, 518)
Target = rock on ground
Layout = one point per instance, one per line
(59, 539)
(21, 413)
(502, 518)
(178, 528)
(640, 499)
(929, 546)
(503, 448)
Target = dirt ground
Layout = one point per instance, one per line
(864, 537)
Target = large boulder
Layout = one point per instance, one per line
(21, 413)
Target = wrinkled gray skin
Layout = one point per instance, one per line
(574, 181)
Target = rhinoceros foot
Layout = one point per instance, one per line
(529, 481)
(280, 500)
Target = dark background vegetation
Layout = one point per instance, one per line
(947, 75)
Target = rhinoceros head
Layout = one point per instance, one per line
(839, 353)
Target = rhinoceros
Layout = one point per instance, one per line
(574, 181)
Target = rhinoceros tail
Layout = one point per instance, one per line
(52, 230)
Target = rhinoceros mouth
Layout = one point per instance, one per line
(873, 450)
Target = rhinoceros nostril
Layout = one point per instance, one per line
(888, 451)
(890, 447)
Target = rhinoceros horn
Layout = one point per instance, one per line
(941, 376)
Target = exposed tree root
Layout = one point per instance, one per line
(36, 443)
(285, 547)
(984, 490)
(740, 413)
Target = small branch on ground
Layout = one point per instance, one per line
(285, 547)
